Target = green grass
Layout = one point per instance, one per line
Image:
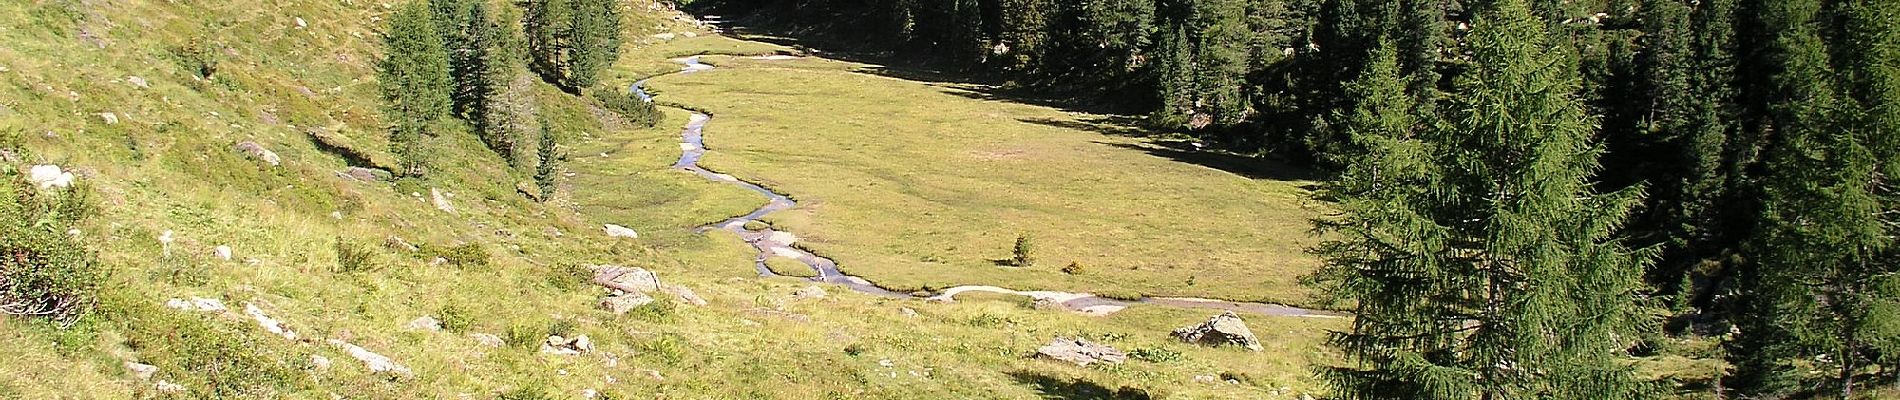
(789, 267)
(915, 184)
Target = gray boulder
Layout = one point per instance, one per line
(623, 303)
(626, 279)
(1080, 352)
(258, 152)
(1224, 329)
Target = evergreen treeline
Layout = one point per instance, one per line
(461, 59)
(1529, 190)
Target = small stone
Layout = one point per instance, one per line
(301, 24)
(143, 371)
(321, 363)
(110, 118)
(617, 231)
(487, 339)
(1206, 379)
(137, 81)
(685, 294)
(168, 387)
(441, 201)
(556, 340)
(424, 323)
(582, 344)
(589, 393)
(222, 252)
(908, 312)
(626, 279)
(810, 292)
(258, 152)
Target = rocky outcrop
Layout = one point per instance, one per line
(684, 294)
(1080, 352)
(441, 200)
(375, 362)
(142, 371)
(1224, 329)
(626, 279)
(257, 152)
(626, 302)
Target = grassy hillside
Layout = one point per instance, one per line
(295, 78)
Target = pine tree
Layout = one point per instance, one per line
(595, 44)
(1691, 75)
(547, 151)
(414, 78)
(1382, 116)
(1421, 38)
(473, 63)
(573, 41)
(1489, 269)
(1174, 79)
(1220, 37)
(1026, 31)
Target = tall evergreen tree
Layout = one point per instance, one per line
(1174, 79)
(573, 41)
(414, 80)
(1496, 276)
(1220, 37)
(595, 41)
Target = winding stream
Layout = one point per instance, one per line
(774, 243)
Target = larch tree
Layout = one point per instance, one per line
(573, 41)
(1496, 273)
(414, 80)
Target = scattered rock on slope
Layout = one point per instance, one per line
(1080, 352)
(1223, 329)
(424, 323)
(623, 303)
(142, 371)
(258, 152)
(558, 345)
(810, 292)
(617, 231)
(485, 339)
(49, 176)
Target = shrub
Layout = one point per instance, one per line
(454, 318)
(660, 310)
(198, 56)
(636, 110)
(44, 272)
(213, 358)
(532, 391)
(462, 255)
(1074, 268)
(353, 257)
(569, 276)
(1025, 253)
(524, 336)
(1155, 354)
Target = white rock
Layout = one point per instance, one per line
(441, 201)
(664, 36)
(589, 393)
(168, 387)
(810, 292)
(49, 176)
(223, 252)
(487, 339)
(143, 371)
(583, 344)
(617, 231)
(110, 118)
(689, 34)
(320, 362)
(301, 24)
(258, 152)
(424, 323)
(197, 304)
(271, 325)
(137, 81)
(375, 362)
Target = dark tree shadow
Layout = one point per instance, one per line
(1249, 167)
(1109, 125)
(1056, 388)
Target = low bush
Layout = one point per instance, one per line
(352, 257)
(455, 319)
(1074, 268)
(636, 110)
(462, 255)
(44, 270)
(1155, 355)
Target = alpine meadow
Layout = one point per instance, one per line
(950, 199)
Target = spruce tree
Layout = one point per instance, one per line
(1174, 79)
(595, 44)
(1221, 60)
(474, 63)
(549, 156)
(1490, 270)
(414, 80)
